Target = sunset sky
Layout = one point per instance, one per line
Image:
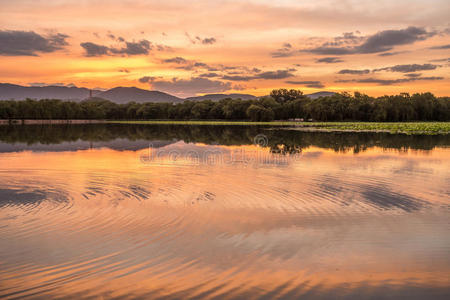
(195, 47)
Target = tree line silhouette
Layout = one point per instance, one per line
(282, 104)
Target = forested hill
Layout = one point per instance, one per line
(218, 97)
(280, 105)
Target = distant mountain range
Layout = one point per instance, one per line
(127, 94)
(217, 97)
(18, 92)
(320, 94)
(117, 94)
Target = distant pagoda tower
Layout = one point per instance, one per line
(90, 93)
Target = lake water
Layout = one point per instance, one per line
(222, 212)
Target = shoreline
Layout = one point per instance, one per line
(416, 128)
(38, 122)
(412, 128)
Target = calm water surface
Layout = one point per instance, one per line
(182, 212)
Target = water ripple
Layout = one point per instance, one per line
(226, 231)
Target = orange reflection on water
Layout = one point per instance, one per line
(105, 223)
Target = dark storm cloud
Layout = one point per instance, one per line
(201, 65)
(197, 39)
(391, 53)
(29, 43)
(229, 73)
(347, 38)
(208, 41)
(268, 75)
(175, 60)
(354, 72)
(380, 81)
(285, 51)
(92, 49)
(192, 86)
(380, 42)
(238, 78)
(390, 81)
(57, 40)
(441, 60)
(441, 47)
(397, 68)
(279, 74)
(209, 75)
(163, 47)
(281, 53)
(413, 75)
(329, 60)
(147, 79)
(386, 40)
(307, 83)
(235, 73)
(188, 65)
(133, 48)
(408, 68)
(142, 47)
(325, 50)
